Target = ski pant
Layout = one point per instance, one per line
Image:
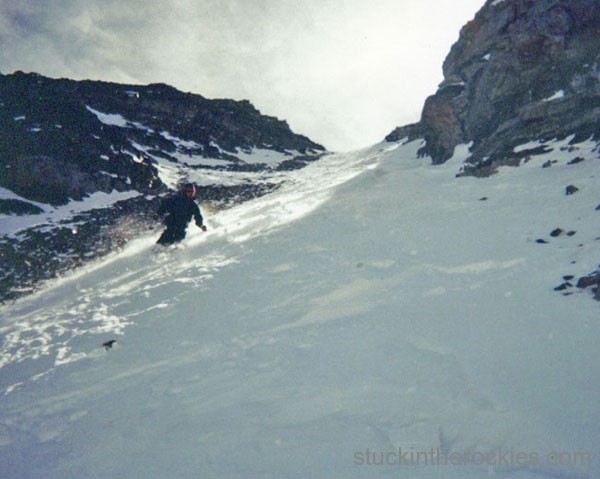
(171, 235)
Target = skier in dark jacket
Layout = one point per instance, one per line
(180, 210)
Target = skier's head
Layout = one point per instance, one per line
(189, 190)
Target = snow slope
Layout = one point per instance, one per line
(374, 317)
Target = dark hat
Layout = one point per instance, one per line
(189, 187)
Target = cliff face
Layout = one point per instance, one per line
(63, 139)
(521, 70)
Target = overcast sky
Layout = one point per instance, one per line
(343, 72)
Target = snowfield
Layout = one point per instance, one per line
(374, 317)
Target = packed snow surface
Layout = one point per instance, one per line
(374, 317)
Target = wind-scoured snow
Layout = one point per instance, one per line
(264, 156)
(373, 317)
(111, 119)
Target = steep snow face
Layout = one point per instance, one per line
(374, 317)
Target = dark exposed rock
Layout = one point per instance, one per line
(592, 281)
(18, 207)
(44, 252)
(556, 232)
(563, 286)
(516, 75)
(410, 132)
(54, 147)
(297, 162)
(441, 125)
(571, 190)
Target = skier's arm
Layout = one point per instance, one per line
(162, 209)
(198, 219)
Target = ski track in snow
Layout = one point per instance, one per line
(57, 329)
(382, 319)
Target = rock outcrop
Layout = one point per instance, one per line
(521, 70)
(64, 139)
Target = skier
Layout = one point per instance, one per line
(180, 210)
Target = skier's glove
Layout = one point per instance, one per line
(203, 228)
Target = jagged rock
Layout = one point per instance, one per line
(410, 132)
(571, 190)
(297, 162)
(516, 74)
(18, 207)
(441, 124)
(54, 147)
(563, 286)
(591, 281)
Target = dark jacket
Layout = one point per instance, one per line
(180, 210)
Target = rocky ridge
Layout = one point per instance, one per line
(64, 142)
(63, 139)
(521, 70)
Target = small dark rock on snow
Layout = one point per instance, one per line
(563, 286)
(592, 280)
(571, 189)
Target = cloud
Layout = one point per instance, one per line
(343, 72)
